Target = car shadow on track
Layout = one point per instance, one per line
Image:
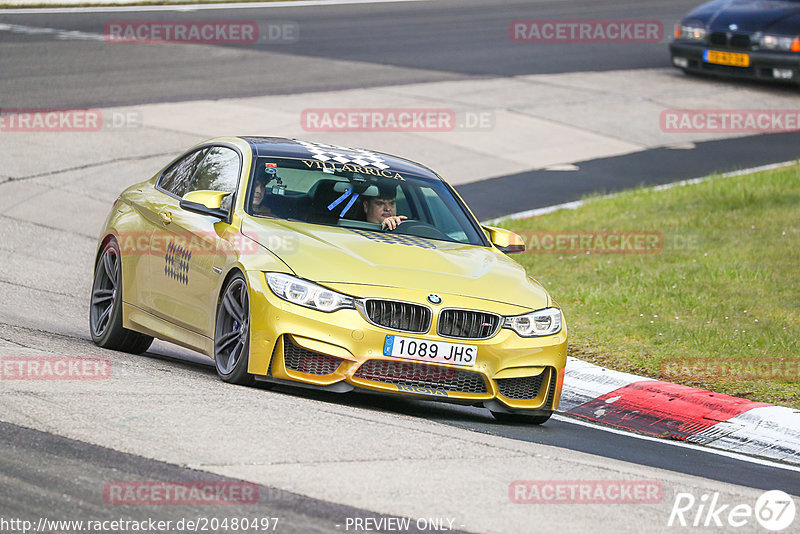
(721, 82)
(469, 417)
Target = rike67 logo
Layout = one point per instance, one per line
(774, 510)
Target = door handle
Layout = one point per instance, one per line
(166, 217)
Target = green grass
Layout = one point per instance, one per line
(725, 287)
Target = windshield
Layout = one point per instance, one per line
(337, 195)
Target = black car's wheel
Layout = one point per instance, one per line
(105, 310)
(232, 333)
(521, 418)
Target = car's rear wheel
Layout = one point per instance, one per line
(105, 309)
(505, 417)
(232, 333)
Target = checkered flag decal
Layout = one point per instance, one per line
(390, 239)
(176, 263)
(343, 155)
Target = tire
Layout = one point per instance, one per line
(519, 418)
(105, 307)
(232, 333)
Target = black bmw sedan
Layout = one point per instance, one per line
(756, 39)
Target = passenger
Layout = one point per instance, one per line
(260, 207)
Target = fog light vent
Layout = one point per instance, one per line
(783, 74)
(680, 62)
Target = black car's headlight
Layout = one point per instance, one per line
(544, 322)
(308, 294)
(691, 32)
(779, 42)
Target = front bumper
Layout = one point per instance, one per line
(762, 64)
(342, 351)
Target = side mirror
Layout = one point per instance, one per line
(505, 240)
(205, 203)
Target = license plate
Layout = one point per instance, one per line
(726, 58)
(430, 351)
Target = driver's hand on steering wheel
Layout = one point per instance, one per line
(392, 222)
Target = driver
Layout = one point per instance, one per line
(382, 209)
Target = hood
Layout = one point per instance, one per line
(779, 16)
(332, 255)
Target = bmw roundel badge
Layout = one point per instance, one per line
(433, 298)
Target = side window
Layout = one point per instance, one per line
(218, 172)
(176, 178)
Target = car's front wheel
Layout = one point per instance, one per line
(505, 417)
(105, 309)
(232, 333)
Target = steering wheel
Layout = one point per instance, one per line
(420, 229)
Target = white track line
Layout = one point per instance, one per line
(61, 35)
(193, 7)
(578, 203)
(675, 443)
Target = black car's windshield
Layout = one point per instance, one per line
(360, 198)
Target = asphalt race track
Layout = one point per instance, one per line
(657, 166)
(340, 47)
(318, 460)
(53, 467)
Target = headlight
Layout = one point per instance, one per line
(690, 32)
(308, 294)
(779, 42)
(539, 323)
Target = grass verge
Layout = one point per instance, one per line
(712, 297)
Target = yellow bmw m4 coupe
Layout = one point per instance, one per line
(335, 268)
